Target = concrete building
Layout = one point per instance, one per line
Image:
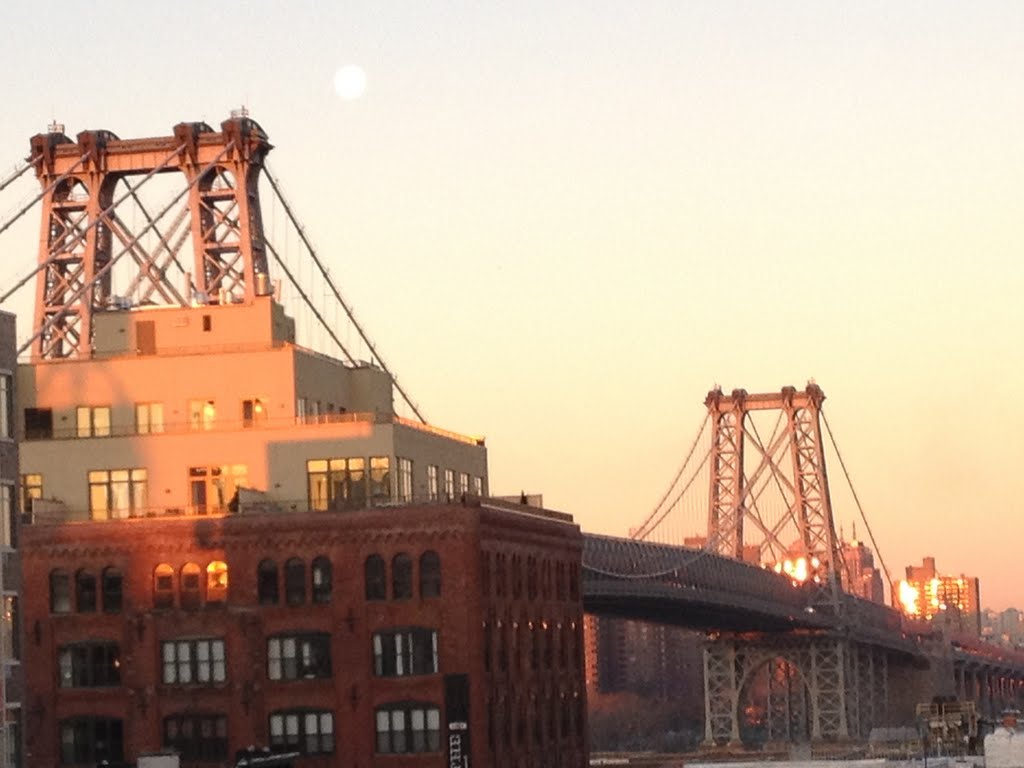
(11, 719)
(862, 576)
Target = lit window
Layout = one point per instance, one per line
(6, 405)
(408, 727)
(93, 421)
(10, 641)
(91, 740)
(404, 480)
(217, 582)
(449, 484)
(89, 665)
(31, 488)
(463, 483)
(295, 657)
(197, 738)
(194, 661)
(201, 415)
(380, 479)
(336, 484)
(254, 412)
(149, 418)
(432, 482)
(478, 486)
(212, 489)
(405, 652)
(310, 732)
(163, 586)
(117, 493)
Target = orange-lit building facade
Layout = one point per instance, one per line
(339, 635)
(955, 600)
(861, 576)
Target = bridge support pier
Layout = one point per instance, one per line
(815, 686)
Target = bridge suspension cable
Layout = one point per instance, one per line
(19, 169)
(856, 499)
(301, 231)
(25, 208)
(660, 511)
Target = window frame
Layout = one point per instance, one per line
(200, 671)
(92, 421)
(405, 652)
(89, 665)
(131, 482)
(299, 656)
(398, 738)
(85, 739)
(326, 741)
(197, 747)
(153, 422)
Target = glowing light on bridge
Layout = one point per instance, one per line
(800, 570)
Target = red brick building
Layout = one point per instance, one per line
(349, 637)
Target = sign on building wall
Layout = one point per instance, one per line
(456, 707)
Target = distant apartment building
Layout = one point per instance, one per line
(952, 600)
(861, 577)
(11, 721)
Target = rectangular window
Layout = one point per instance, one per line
(254, 413)
(408, 728)
(197, 738)
(212, 489)
(90, 740)
(405, 652)
(38, 423)
(93, 421)
(201, 415)
(11, 628)
(431, 482)
(117, 493)
(300, 410)
(297, 657)
(6, 405)
(449, 484)
(31, 488)
(405, 480)
(478, 486)
(380, 479)
(336, 484)
(463, 483)
(194, 662)
(90, 665)
(149, 418)
(8, 517)
(310, 732)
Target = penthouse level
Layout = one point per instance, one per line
(191, 410)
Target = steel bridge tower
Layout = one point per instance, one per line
(827, 682)
(86, 180)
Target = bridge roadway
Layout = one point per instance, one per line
(701, 590)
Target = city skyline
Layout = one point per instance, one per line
(564, 225)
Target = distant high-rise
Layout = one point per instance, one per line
(953, 600)
(864, 579)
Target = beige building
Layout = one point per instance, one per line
(213, 407)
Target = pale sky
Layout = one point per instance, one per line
(564, 222)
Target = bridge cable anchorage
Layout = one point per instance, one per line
(102, 216)
(19, 171)
(856, 500)
(275, 185)
(309, 303)
(642, 530)
(7, 224)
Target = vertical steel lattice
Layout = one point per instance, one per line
(725, 507)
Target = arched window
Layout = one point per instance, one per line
(190, 597)
(321, 580)
(163, 586)
(85, 592)
(60, 592)
(430, 574)
(295, 581)
(266, 583)
(401, 577)
(217, 582)
(375, 573)
(113, 585)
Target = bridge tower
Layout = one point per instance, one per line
(794, 459)
(89, 181)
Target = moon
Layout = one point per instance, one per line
(350, 82)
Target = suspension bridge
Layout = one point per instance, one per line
(743, 544)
